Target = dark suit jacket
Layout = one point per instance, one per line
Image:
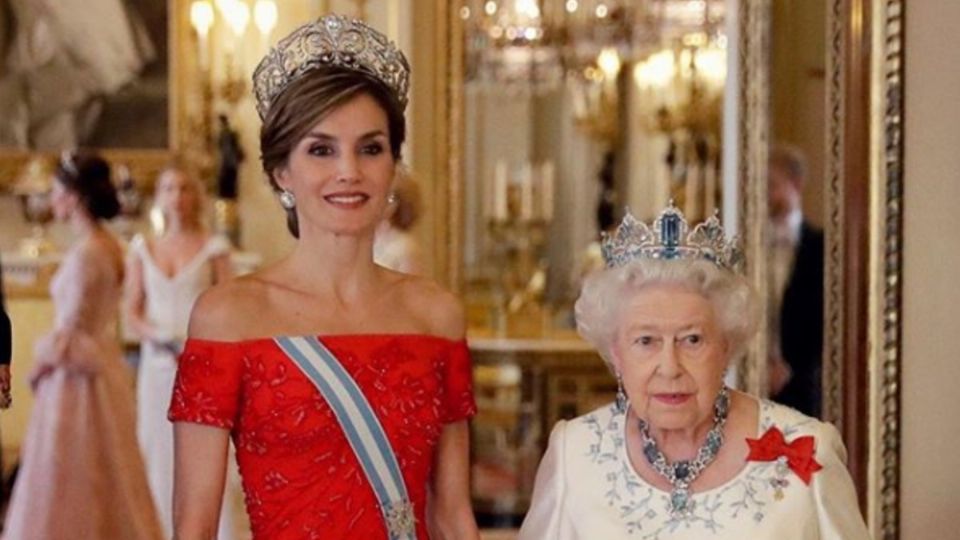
(801, 325)
(6, 333)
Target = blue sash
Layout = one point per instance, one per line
(362, 428)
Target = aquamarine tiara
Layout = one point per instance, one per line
(333, 40)
(669, 238)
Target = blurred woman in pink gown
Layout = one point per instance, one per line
(81, 475)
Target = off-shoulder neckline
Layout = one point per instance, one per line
(322, 337)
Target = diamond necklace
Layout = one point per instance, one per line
(681, 474)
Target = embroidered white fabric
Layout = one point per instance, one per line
(586, 489)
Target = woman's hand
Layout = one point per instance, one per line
(780, 373)
(450, 513)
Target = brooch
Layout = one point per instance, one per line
(796, 456)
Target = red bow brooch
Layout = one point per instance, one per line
(798, 454)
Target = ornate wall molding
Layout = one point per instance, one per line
(886, 273)
(754, 128)
(834, 298)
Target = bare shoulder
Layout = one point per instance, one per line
(227, 311)
(100, 256)
(435, 307)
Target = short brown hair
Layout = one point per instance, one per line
(790, 160)
(305, 102)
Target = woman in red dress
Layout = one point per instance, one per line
(331, 96)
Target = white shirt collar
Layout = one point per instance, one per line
(787, 231)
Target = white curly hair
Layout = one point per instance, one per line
(603, 292)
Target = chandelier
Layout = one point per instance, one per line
(536, 46)
(512, 43)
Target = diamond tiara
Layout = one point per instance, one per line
(332, 40)
(669, 238)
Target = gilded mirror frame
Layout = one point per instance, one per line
(863, 240)
(864, 201)
(144, 164)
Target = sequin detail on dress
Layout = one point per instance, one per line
(300, 477)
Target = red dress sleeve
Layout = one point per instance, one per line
(207, 387)
(458, 402)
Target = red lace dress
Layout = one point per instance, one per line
(300, 477)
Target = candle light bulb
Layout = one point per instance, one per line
(265, 16)
(201, 17)
(238, 17)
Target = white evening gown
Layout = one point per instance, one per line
(81, 474)
(586, 489)
(168, 304)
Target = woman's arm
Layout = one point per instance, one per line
(200, 462)
(547, 509)
(835, 496)
(222, 270)
(450, 514)
(134, 300)
(201, 437)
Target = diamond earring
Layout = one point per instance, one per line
(621, 395)
(392, 198)
(288, 200)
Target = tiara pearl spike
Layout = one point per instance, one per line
(332, 40)
(669, 238)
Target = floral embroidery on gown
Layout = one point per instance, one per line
(300, 477)
(586, 488)
(81, 475)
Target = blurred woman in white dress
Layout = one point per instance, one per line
(165, 275)
(679, 456)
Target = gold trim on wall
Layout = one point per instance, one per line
(834, 298)
(754, 128)
(886, 229)
(453, 247)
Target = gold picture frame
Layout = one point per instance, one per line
(144, 164)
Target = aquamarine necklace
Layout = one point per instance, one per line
(681, 474)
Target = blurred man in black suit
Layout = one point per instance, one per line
(796, 292)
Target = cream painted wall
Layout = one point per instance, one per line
(931, 340)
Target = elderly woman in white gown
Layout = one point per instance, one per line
(679, 455)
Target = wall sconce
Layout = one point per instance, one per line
(235, 16)
(681, 96)
(596, 99)
(221, 26)
(201, 18)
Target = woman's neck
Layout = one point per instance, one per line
(337, 265)
(681, 444)
(177, 226)
(83, 224)
(676, 444)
